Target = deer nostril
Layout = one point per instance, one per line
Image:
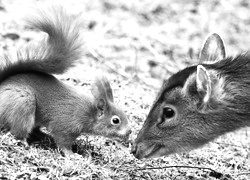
(133, 148)
(129, 132)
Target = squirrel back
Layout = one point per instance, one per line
(30, 97)
(198, 104)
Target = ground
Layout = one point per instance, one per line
(136, 44)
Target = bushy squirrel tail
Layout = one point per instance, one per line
(55, 54)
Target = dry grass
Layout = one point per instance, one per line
(136, 44)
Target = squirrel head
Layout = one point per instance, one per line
(111, 121)
(184, 114)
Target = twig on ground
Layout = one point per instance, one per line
(221, 143)
(242, 174)
(212, 173)
(171, 67)
(167, 167)
(100, 59)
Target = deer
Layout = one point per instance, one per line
(198, 104)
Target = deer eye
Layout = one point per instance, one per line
(168, 113)
(115, 120)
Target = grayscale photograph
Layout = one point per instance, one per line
(124, 90)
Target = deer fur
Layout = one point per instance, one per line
(209, 100)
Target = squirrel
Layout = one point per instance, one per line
(31, 97)
(198, 104)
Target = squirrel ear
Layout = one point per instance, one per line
(100, 104)
(102, 92)
(107, 88)
(213, 49)
(99, 96)
(203, 83)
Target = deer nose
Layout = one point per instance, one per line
(134, 148)
(129, 132)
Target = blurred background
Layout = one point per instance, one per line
(144, 39)
(137, 44)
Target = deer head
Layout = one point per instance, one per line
(187, 111)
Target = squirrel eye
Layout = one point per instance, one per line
(167, 113)
(115, 120)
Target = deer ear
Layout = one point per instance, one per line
(203, 83)
(213, 49)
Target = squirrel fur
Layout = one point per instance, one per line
(31, 97)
